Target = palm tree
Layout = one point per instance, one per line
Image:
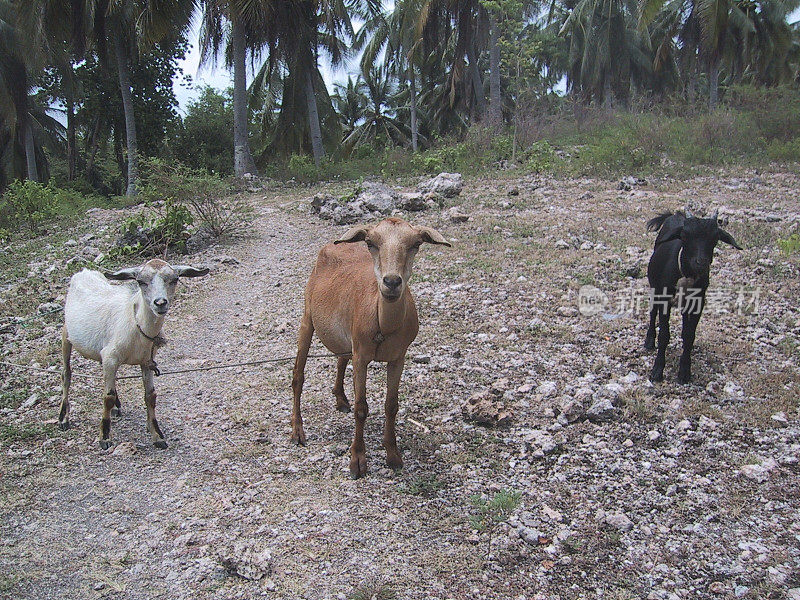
(378, 123)
(25, 125)
(398, 36)
(349, 100)
(234, 24)
(293, 35)
(606, 49)
(466, 22)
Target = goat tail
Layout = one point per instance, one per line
(655, 223)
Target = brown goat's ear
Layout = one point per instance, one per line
(432, 236)
(184, 271)
(124, 274)
(356, 234)
(726, 237)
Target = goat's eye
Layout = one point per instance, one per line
(142, 283)
(370, 245)
(416, 246)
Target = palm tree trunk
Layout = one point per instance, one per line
(72, 149)
(495, 106)
(30, 150)
(607, 92)
(713, 84)
(92, 146)
(477, 82)
(691, 88)
(242, 158)
(130, 120)
(414, 125)
(313, 118)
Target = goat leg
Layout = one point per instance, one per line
(690, 321)
(657, 374)
(394, 370)
(110, 366)
(358, 455)
(342, 403)
(150, 403)
(66, 380)
(298, 377)
(650, 338)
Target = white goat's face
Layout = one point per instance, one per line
(393, 244)
(157, 281)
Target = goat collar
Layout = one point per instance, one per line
(157, 340)
(680, 268)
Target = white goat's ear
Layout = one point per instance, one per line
(726, 237)
(433, 237)
(185, 271)
(124, 274)
(356, 234)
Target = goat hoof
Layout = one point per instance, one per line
(160, 444)
(106, 444)
(63, 425)
(343, 407)
(649, 345)
(684, 378)
(395, 461)
(299, 438)
(115, 412)
(358, 466)
(656, 377)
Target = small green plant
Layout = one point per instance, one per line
(373, 589)
(790, 245)
(27, 203)
(490, 512)
(20, 433)
(424, 485)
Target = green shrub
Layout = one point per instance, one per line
(30, 204)
(790, 245)
(154, 234)
(301, 167)
(210, 198)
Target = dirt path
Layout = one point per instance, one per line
(232, 510)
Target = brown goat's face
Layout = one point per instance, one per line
(393, 244)
(157, 281)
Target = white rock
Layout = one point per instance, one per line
(759, 472)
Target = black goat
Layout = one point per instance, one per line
(678, 273)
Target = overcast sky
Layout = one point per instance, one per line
(219, 77)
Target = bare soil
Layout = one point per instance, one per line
(673, 492)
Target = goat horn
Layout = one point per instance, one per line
(688, 212)
(715, 215)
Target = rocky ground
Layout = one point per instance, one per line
(588, 482)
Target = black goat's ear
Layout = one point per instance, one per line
(669, 232)
(726, 237)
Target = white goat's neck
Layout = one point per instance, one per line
(150, 323)
(391, 315)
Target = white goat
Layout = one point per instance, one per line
(359, 303)
(119, 325)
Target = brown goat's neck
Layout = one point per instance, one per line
(391, 315)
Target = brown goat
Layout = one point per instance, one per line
(358, 301)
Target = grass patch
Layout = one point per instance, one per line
(10, 434)
(373, 589)
(424, 485)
